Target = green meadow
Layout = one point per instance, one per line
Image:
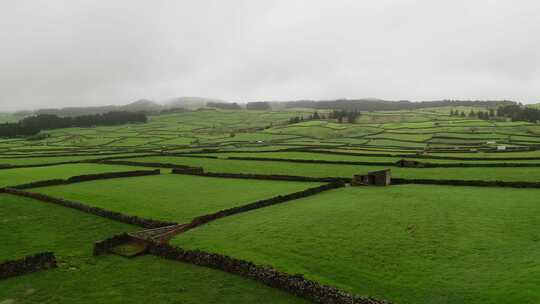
(30, 227)
(172, 197)
(402, 243)
(409, 244)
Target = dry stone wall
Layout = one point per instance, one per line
(26, 265)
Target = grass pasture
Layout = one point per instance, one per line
(403, 243)
(409, 244)
(30, 226)
(172, 197)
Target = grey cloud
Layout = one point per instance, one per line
(65, 53)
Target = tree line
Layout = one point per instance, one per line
(340, 115)
(386, 105)
(515, 112)
(519, 113)
(32, 125)
(224, 105)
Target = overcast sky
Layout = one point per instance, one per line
(94, 52)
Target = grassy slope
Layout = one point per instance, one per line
(29, 226)
(11, 177)
(410, 244)
(172, 197)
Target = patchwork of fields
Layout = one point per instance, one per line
(256, 188)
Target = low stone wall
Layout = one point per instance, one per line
(475, 183)
(85, 178)
(104, 247)
(109, 175)
(117, 216)
(261, 176)
(190, 171)
(294, 284)
(142, 164)
(422, 156)
(393, 164)
(314, 161)
(483, 165)
(44, 183)
(261, 204)
(7, 167)
(26, 265)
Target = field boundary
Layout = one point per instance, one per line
(490, 164)
(117, 216)
(474, 183)
(387, 164)
(267, 275)
(276, 177)
(86, 178)
(294, 284)
(29, 264)
(424, 156)
(140, 164)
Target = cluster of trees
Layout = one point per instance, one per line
(386, 105)
(32, 125)
(457, 113)
(173, 110)
(349, 116)
(515, 112)
(314, 116)
(340, 115)
(259, 105)
(224, 105)
(472, 114)
(10, 130)
(519, 113)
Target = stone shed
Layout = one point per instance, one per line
(375, 178)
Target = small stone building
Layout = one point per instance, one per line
(375, 178)
(409, 163)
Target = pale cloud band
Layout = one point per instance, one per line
(66, 53)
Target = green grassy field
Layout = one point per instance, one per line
(30, 226)
(407, 244)
(172, 197)
(410, 244)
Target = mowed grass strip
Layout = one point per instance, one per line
(13, 177)
(408, 244)
(29, 226)
(530, 174)
(172, 197)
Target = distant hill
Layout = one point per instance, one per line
(142, 105)
(386, 105)
(189, 102)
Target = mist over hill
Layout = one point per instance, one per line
(141, 105)
(365, 104)
(373, 104)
